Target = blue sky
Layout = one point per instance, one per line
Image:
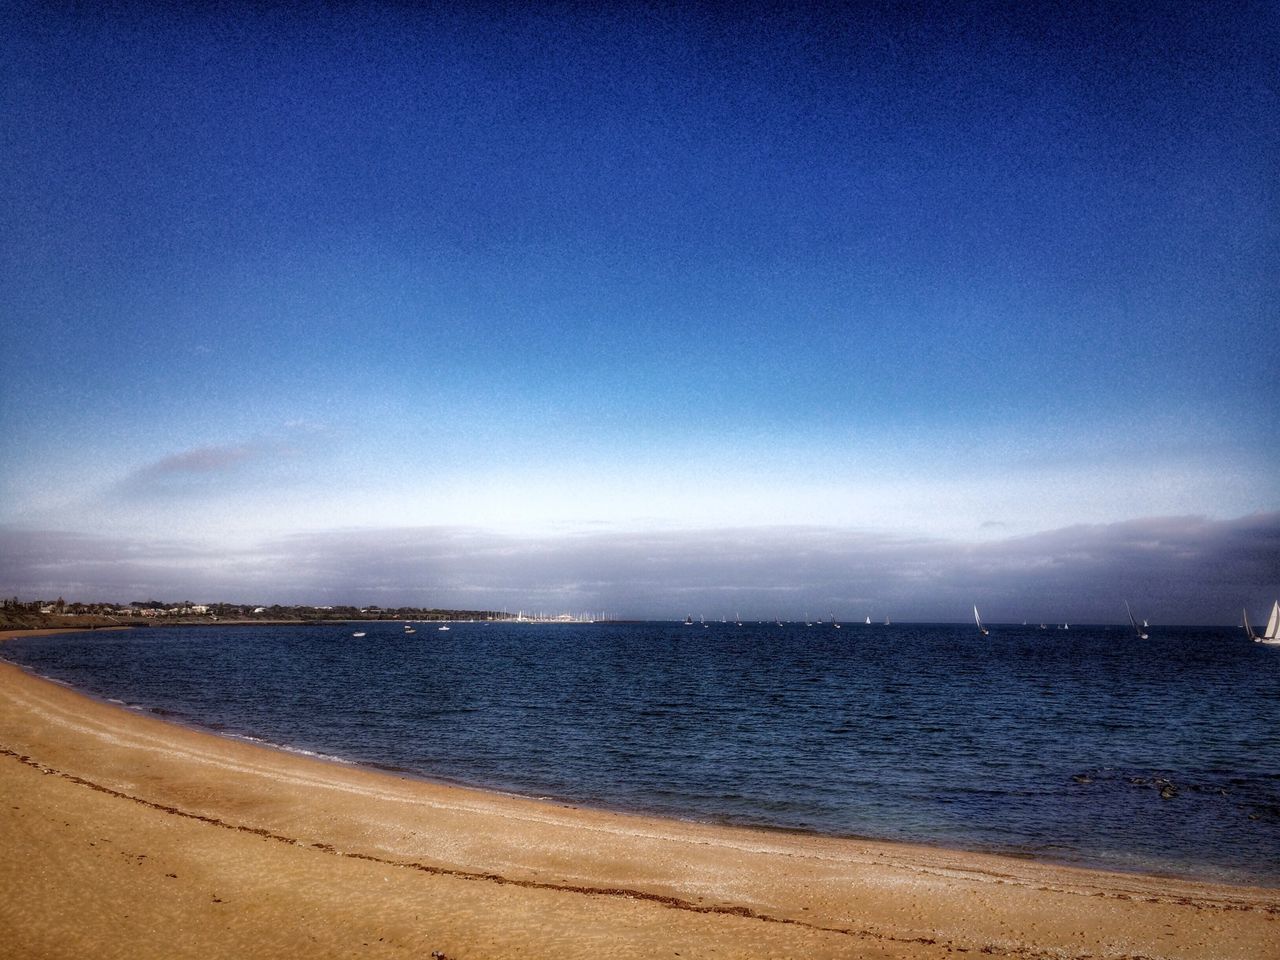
(968, 274)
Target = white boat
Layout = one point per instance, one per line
(360, 634)
(868, 621)
(442, 628)
(978, 620)
(1272, 633)
(1134, 623)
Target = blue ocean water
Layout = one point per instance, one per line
(1050, 744)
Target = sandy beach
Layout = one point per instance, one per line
(127, 836)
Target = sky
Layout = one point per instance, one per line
(644, 308)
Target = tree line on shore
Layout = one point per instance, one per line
(16, 613)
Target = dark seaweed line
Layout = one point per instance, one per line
(674, 903)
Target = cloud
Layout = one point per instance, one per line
(217, 469)
(1173, 569)
(201, 460)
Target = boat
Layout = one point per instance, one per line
(442, 628)
(688, 621)
(1134, 623)
(868, 621)
(360, 634)
(409, 630)
(978, 620)
(834, 622)
(1269, 635)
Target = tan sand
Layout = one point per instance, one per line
(121, 835)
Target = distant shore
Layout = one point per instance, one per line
(163, 841)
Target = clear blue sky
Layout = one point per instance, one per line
(971, 274)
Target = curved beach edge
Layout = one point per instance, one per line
(124, 832)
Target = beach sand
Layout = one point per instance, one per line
(122, 835)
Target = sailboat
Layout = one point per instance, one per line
(868, 620)
(1272, 633)
(978, 620)
(1134, 623)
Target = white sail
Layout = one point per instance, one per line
(1248, 630)
(1272, 633)
(978, 620)
(1134, 623)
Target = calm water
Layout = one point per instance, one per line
(1039, 743)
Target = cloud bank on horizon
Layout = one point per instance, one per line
(882, 291)
(1174, 569)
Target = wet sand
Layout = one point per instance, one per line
(122, 835)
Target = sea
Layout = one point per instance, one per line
(1086, 746)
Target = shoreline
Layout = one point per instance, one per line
(401, 773)
(1083, 862)
(519, 875)
(1186, 873)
